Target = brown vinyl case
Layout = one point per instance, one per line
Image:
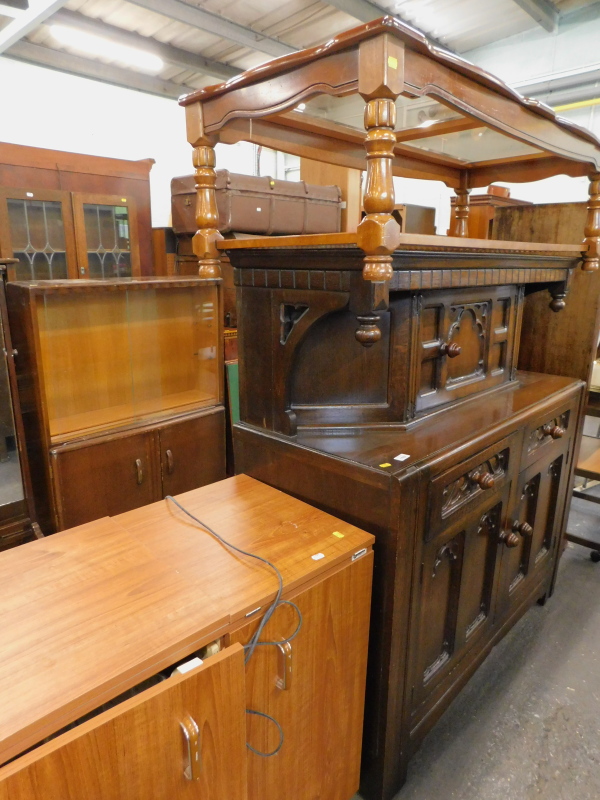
(262, 205)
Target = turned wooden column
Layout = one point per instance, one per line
(381, 80)
(591, 258)
(460, 221)
(205, 239)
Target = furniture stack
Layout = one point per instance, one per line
(378, 369)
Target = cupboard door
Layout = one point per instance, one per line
(192, 453)
(104, 478)
(453, 606)
(36, 227)
(138, 751)
(532, 528)
(106, 234)
(314, 688)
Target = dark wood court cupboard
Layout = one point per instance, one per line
(379, 371)
(121, 389)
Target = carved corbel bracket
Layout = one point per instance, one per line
(591, 256)
(559, 292)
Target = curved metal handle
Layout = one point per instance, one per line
(191, 735)
(555, 431)
(451, 350)
(284, 678)
(139, 470)
(170, 462)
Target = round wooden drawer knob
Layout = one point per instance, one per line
(524, 528)
(555, 431)
(451, 350)
(485, 480)
(509, 538)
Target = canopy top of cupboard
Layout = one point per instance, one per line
(454, 121)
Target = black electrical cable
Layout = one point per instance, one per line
(254, 641)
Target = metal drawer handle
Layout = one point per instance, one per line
(139, 470)
(284, 679)
(170, 463)
(191, 734)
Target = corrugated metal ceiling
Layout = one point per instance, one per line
(460, 25)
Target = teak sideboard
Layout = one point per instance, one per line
(94, 620)
(378, 369)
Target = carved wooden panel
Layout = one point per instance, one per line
(454, 603)
(532, 528)
(468, 486)
(464, 343)
(554, 428)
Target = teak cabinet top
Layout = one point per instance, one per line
(90, 612)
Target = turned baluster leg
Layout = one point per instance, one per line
(207, 217)
(460, 223)
(381, 80)
(591, 258)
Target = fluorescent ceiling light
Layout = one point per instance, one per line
(99, 46)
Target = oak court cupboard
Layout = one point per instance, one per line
(378, 369)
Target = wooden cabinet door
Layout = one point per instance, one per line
(192, 453)
(104, 478)
(106, 233)
(533, 528)
(137, 750)
(36, 227)
(314, 689)
(454, 600)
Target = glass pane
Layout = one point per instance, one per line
(11, 486)
(479, 144)
(38, 239)
(110, 358)
(350, 111)
(108, 241)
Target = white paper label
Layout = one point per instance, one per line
(318, 556)
(401, 457)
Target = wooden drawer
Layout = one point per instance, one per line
(137, 749)
(547, 432)
(467, 485)
(464, 343)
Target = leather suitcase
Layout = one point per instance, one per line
(260, 205)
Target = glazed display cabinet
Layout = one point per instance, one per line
(384, 374)
(65, 215)
(121, 391)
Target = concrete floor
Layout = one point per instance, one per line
(527, 725)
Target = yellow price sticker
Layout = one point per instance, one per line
(385, 465)
(338, 534)
(392, 62)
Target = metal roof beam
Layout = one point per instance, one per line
(366, 11)
(27, 21)
(87, 68)
(543, 12)
(219, 26)
(168, 53)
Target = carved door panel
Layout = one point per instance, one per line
(465, 342)
(453, 609)
(532, 528)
